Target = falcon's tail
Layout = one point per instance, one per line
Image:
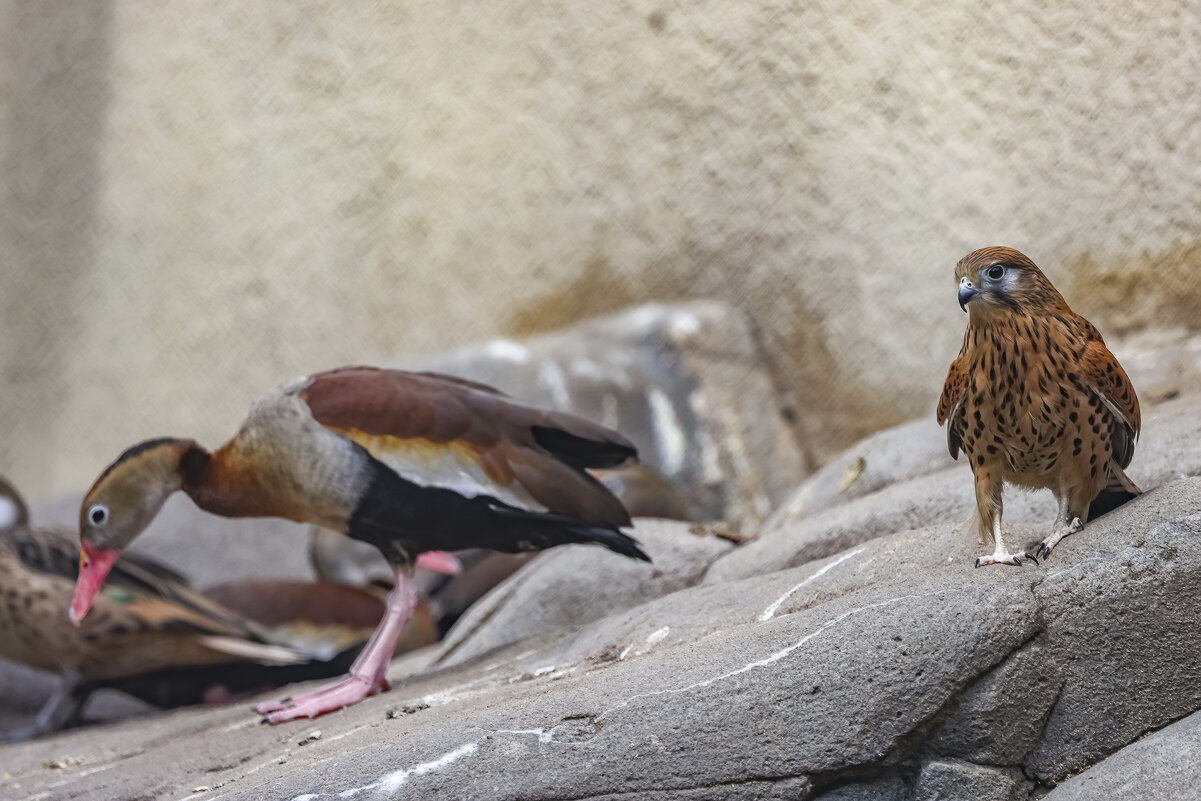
(1118, 491)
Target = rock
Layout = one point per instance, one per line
(1163, 363)
(1166, 451)
(890, 788)
(1160, 767)
(565, 588)
(876, 674)
(942, 780)
(890, 456)
(986, 725)
(23, 690)
(943, 497)
(687, 383)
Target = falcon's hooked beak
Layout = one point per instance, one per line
(94, 566)
(967, 291)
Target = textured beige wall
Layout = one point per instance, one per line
(200, 200)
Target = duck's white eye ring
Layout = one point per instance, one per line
(98, 514)
(996, 272)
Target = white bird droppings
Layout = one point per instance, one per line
(392, 782)
(770, 611)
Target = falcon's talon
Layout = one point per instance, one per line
(1001, 558)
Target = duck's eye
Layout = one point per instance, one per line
(98, 514)
(996, 272)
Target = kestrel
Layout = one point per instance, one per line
(1035, 399)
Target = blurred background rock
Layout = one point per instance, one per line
(202, 201)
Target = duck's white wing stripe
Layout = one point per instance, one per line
(448, 468)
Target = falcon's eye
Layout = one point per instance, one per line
(996, 272)
(98, 514)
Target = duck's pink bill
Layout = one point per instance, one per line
(94, 566)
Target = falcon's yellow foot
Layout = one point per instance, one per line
(1004, 558)
(1044, 548)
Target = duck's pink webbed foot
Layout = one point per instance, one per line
(331, 697)
(368, 674)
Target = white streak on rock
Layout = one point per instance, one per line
(510, 660)
(669, 433)
(543, 735)
(770, 611)
(710, 456)
(305, 797)
(84, 773)
(545, 672)
(768, 660)
(590, 369)
(610, 415)
(393, 781)
(551, 376)
(507, 349)
(654, 638)
(8, 513)
(684, 324)
(439, 697)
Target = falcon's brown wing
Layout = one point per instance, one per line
(950, 404)
(1101, 372)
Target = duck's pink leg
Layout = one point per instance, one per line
(368, 674)
(440, 562)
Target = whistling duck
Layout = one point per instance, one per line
(146, 621)
(409, 462)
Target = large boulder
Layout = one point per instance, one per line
(873, 464)
(566, 588)
(893, 670)
(1163, 766)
